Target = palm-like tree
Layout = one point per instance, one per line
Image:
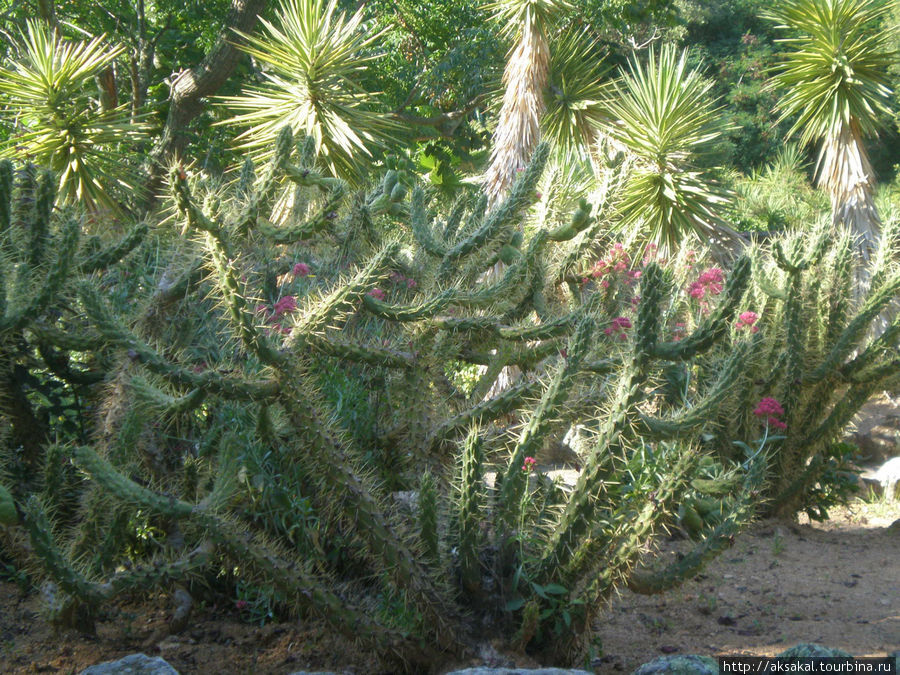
(46, 93)
(525, 81)
(576, 92)
(834, 79)
(313, 59)
(665, 118)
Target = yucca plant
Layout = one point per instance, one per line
(576, 92)
(312, 58)
(664, 116)
(835, 86)
(49, 97)
(525, 79)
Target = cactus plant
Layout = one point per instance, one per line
(301, 386)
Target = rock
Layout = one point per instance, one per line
(877, 430)
(518, 671)
(134, 664)
(807, 650)
(685, 664)
(310, 672)
(889, 477)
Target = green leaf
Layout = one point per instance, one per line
(556, 589)
(514, 604)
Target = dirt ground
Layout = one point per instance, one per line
(836, 583)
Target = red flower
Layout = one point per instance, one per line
(301, 270)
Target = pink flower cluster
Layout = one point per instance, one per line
(709, 282)
(616, 262)
(619, 325)
(301, 270)
(377, 293)
(399, 279)
(771, 410)
(529, 464)
(284, 305)
(747, 320)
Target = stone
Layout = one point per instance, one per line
(877, 433)
(683, 664)
(133, 664)
(812, 650)
(518, 671)
(889, 477)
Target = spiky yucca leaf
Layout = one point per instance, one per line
(518, 16)
(837, 67)
(664, 116)
(47, 92)
(835, 83)
(313, 58)
(576, 91)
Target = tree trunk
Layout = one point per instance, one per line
(190, 87)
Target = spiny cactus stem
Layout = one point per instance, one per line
(167, 405)
(524, 357)
(690, 420)
(470, 511)
(127, 490)
(619, 554)
(428, 517)
(337, 471)
(185, 203)
(376, 356)
(39, 228)
(520, 197)
(342, 300)
(650, 582)
(485, 411)
(113, 254)
(325, 217)
(714, 327)
(6, 196)
(424, 310)
(421, 228)
(532, 436)
(81, 341)
(854, 331)
(294, 581)
(310, 178)
(235, 299)
(578, 513)
(52, 284)
(601, 366)
(212, 382)
(59, 364)
(248, 214)
(60, 568)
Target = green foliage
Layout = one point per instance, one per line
(267, 429)
(836, 70)
(576, 91)
(778, 197)
(279, 451)
(664, 118)
(46, 97)
(519, 16)
(314, 57)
